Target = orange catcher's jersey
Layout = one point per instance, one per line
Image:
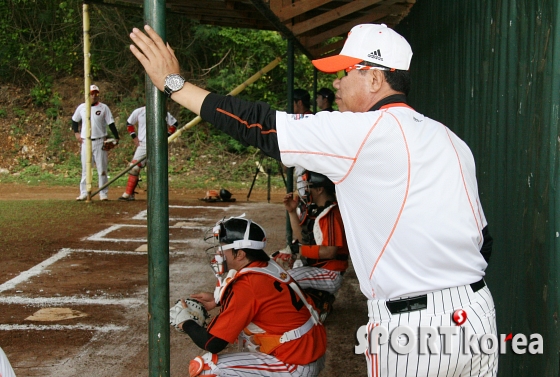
(328, 230)
(275, 308)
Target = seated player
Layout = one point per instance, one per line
(260, 305)
(317, 227)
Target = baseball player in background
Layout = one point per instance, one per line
(406, 187)
(325, 99)
(138, 117)
(101, 117)
(319, 232)
(302, 105)
(260, 305)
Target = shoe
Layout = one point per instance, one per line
(127, 198)
(103, 198)
(81, 198)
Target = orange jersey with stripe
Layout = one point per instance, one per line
(274, 307)
(328, 230)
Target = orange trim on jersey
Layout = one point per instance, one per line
(479, 207)
(464, 183)
(320, 154)
(404, 199)
(360, 148)
(245, 122)
(396, 104)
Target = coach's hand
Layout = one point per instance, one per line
(157, 57)
(159, 61)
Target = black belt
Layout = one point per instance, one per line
(421, 302)
(97, 138)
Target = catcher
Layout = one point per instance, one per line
(318, 229)
(276, 326)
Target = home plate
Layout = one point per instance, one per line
(55, 314)
(184, 224)
(145, 248)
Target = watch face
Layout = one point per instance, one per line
(174, 82)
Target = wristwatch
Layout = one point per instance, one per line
(173, 83)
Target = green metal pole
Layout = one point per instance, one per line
(290, 88)
(314, 98)
(158, 211)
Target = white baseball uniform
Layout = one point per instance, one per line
(101, 117)
(138, 117)
(407, 190)
(422, 221)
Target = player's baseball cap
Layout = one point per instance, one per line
(93, 88)
(374, 43)
(326, 93)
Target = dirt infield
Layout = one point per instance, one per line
(97, 271)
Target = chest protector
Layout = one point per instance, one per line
(255, 339)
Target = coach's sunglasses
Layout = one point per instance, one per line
(359, 67)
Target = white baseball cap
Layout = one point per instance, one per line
(374, 43)
(93, 88)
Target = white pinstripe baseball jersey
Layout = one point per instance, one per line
(407, 192)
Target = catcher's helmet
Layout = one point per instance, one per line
(225, 194)
(317, 180)
(240, 233)
(233, 233)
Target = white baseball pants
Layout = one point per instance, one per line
(317, 278)
(99, 157)
(250, 364)
(481, 320)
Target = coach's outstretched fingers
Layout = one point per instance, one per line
(157, 58)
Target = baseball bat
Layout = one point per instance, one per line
(197, 120)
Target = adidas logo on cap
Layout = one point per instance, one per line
(375, 55)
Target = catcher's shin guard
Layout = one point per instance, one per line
(131, 184)
(201, 363)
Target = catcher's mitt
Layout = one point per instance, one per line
(110, 144)
(285, 258)
(194, 311)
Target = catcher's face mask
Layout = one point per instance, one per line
(232, 233)
(306, 206)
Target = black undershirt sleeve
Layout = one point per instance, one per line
(75, 127)
(113, 129)
(486, 248)
(252, 123)
(202, 338)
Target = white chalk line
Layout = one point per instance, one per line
(33, 271)
(143, 215)
(106, 328)
(57, 301)
(188, 253)
(102, 235)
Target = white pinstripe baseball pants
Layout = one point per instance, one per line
(481, 319)
(317, 278)
(251, 364)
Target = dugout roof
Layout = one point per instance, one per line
(313, 24)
